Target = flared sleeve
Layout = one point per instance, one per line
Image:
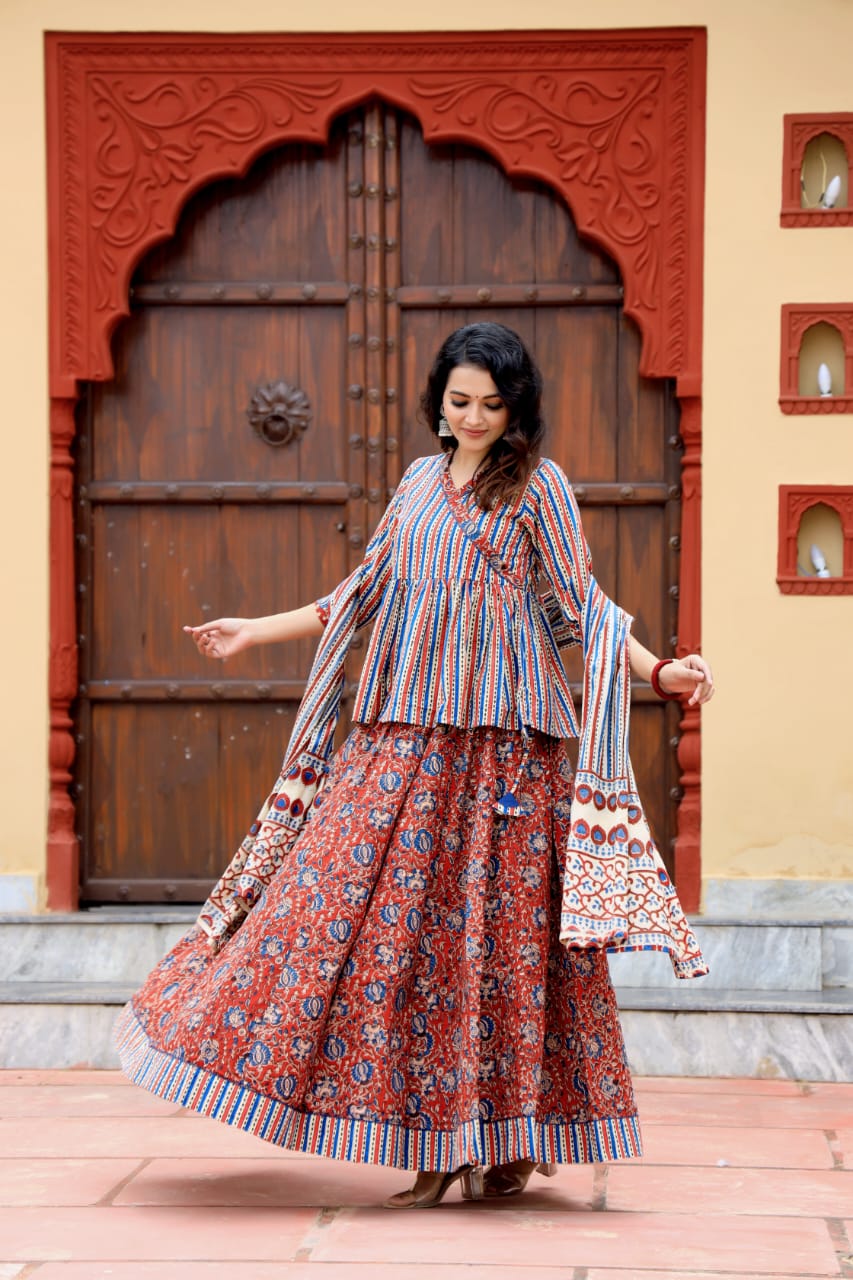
(617, 895)
(562, 552)
(367, 584)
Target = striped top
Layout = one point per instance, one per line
(461, 635)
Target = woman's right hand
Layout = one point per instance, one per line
(223, 637)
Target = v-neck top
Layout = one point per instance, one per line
(461, 635)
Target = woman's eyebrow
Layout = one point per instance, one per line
(492, 395)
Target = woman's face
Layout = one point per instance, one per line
(474, 409)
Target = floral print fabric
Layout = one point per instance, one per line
(399, 994)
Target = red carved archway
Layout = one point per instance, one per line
(614, 121)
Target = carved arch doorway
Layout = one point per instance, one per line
(613, 122)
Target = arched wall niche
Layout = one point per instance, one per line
(821, 343)
(803, 133)
(820, 541)
(824, 158)
(828, 512)
(613, 121)
(812, 332)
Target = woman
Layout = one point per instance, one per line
(405, 963)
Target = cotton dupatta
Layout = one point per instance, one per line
(617, 895)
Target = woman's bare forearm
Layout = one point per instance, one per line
(226, 637)
(690, 675)
(642, 659)
(296, 624)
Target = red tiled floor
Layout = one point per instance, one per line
(800, 1112)
(60, 1181)
(154, 1234)
(694, 1086)
(103, 1183)
(596, 1274)
(761, 1148)
(86, 1100)
(239, 1183)
(306, 1271)
(834, 1089)
(844, 1146)
(72, 1078)
(311, 1182)
(134, 1136)
(789, 1192)
(463, 1233)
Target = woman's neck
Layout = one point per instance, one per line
(465, 463)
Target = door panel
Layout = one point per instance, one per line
(274, 224)
(159, 567)
(186, 376)
(338, 270)
(472, 224)
(155, 792)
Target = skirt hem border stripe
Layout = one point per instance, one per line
(485, 1142)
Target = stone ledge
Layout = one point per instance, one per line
(121, 946)
(765, 1046)
(120, 953)
(782, 900)
(105, 915)
(771, 957)
(835, 1000)
(687, 998)
(65, 993)
(770, 1035)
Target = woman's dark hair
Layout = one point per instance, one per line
(501, 353)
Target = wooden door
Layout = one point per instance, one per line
(335, 272)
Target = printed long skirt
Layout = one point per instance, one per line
(399, 995)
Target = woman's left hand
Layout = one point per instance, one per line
(688, 675)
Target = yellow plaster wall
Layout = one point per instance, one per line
(777, 772)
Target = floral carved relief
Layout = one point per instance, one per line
(593, 133)
(616, 145)
(612, 122)
(156, 137)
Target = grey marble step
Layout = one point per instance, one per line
(688, 996)
(38, 994)
(766, 1043)
(122, 945)
(788, 899)
(765, 955)
(690, 1032)
(691, 997)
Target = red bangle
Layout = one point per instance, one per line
(654, 681)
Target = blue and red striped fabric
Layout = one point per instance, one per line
(461, 635)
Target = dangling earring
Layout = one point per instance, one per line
(443, 426)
